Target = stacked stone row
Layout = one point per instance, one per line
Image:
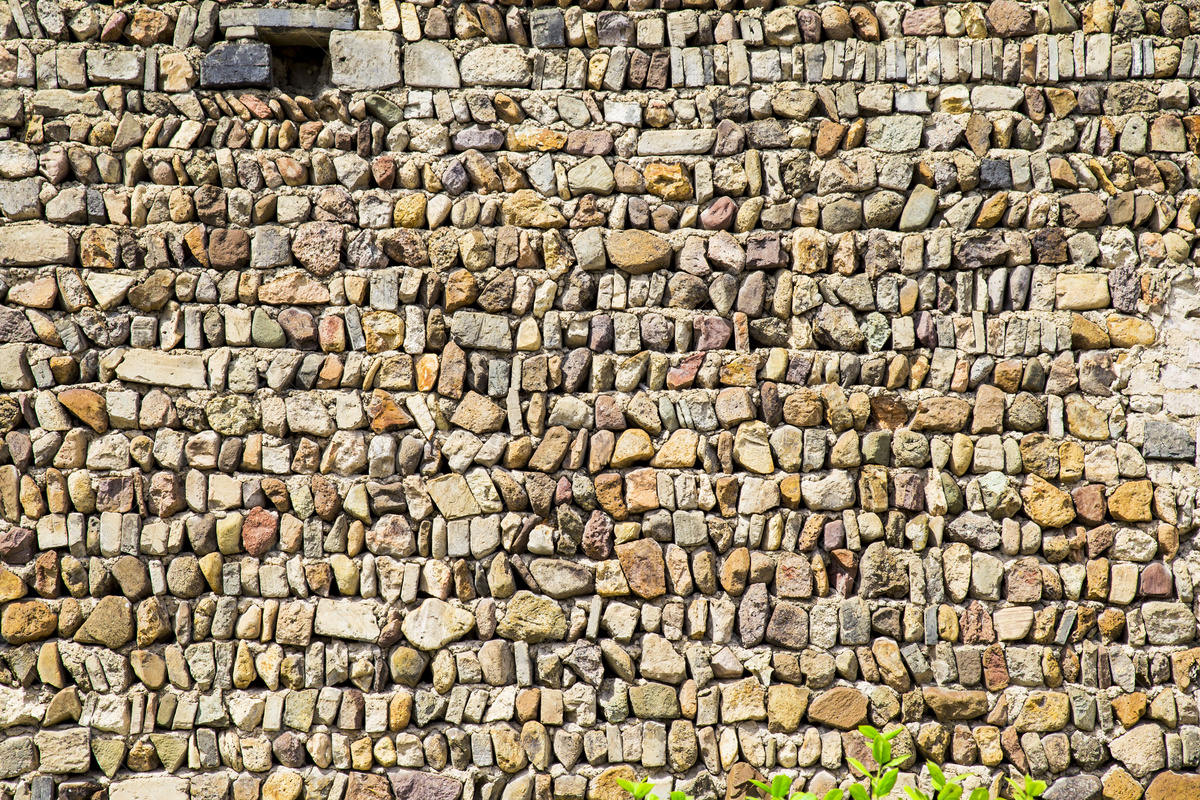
(532, 397)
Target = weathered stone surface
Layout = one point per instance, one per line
(637, 252)
(436, 624)
(843, 708)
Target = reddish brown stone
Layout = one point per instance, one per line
(229, 248)
(258, 531)
(719, 215)
(385, 413)
(976, 625)
(166, 497)
(1090, 508)
(995, 670)
(644, 567)
(365, 786)
(1157, 581)
(326, 500)
(17, 545)
(114, 494)
(739, 784)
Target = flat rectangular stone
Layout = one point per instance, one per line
(149, 788)
(35, 245)
(283, 24)
(62, 102)
(238, 63)
(364, 59)
(163, 369)
(485, 331)
(346, 619)
(676, 143)
(114, 66)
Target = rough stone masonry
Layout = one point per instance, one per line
(419, 401)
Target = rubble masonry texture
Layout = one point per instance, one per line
(491, 401)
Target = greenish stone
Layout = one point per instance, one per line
(171, 749)
(266, 332)
(385, 110)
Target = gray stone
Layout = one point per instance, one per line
(430, 65)
(236, 64)
(365, 59)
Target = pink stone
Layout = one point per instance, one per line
(332, 334)
(711, 333)
(924, 22)
(258, 531)
(684, 375)
(719, 215)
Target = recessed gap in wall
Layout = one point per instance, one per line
(298, 68)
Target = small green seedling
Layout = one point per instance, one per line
(781, 785)
(1029, 790)
(640, 791)
(883, 779)
(944, 788)
(643, 790)
(832, 794)
(777, 789)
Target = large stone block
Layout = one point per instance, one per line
(364, 59)
(430, 65)
(35, 245)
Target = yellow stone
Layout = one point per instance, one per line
(789, 489)
(1070, 462)
(741, 371)
(12, 587)
(1087, 335)
(668, 181)
(992, 211)
(383, 330)
(633, 446)
(1120, 785)
(1128, 331)
(409, 211)
(605, 787)
(1046, 504)
(527, 209)
(1130, 502)
(1044, 712)
(528, 138)
(679, 452)
(211, 566)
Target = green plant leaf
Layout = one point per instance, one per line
(628, 786)
(858, 792)
(886, 783)
(858, 765)
(761, 785)
(915, 794)
(832, 794)
(869, 732)
(780, 786)
(979, 793)
(935, 772)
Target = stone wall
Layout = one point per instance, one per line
(493, 401)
